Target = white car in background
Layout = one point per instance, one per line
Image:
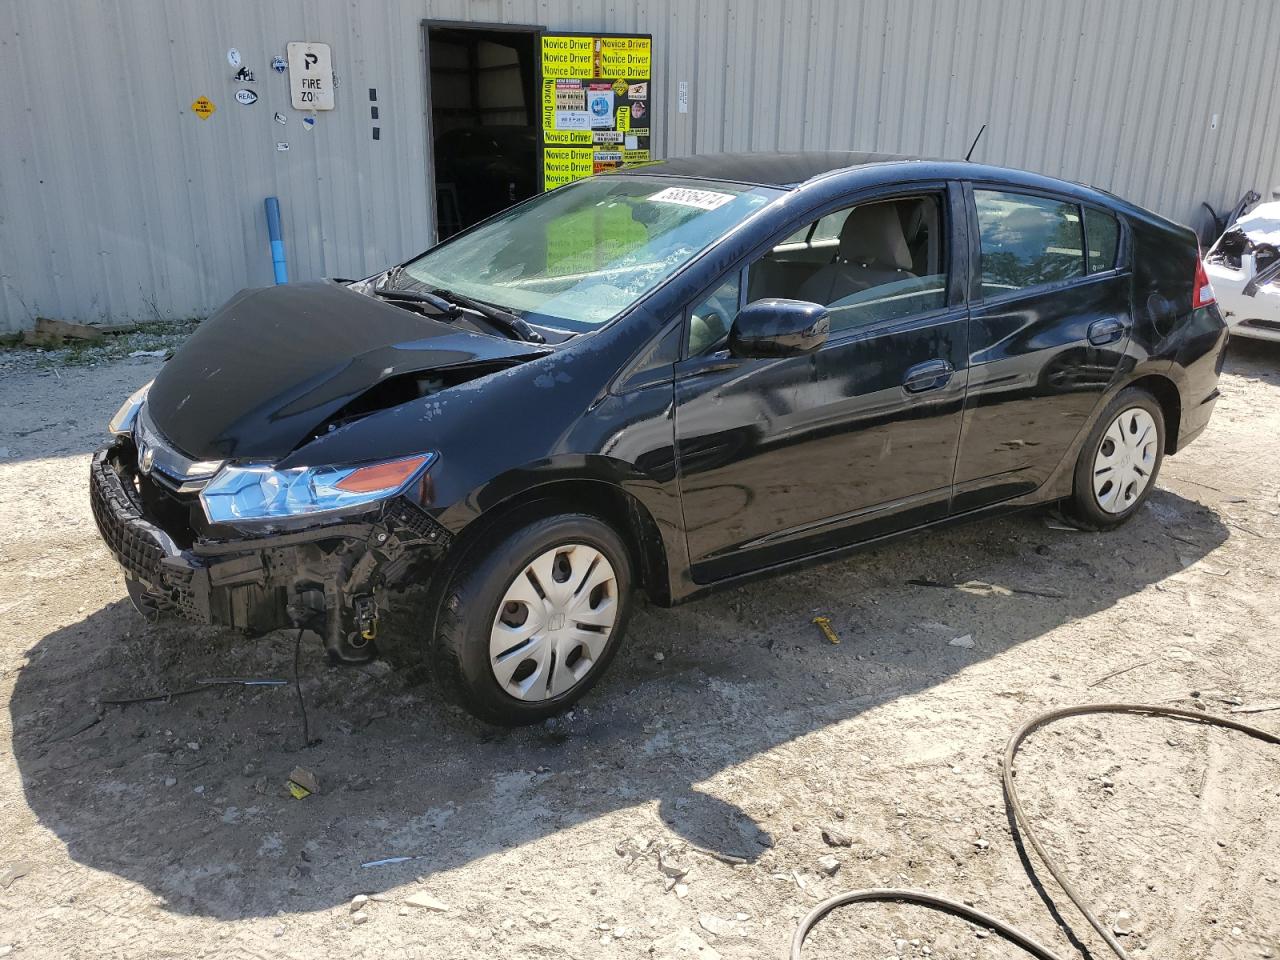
(1244, 268)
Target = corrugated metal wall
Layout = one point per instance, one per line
(117, 202)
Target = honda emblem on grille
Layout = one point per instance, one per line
(146, 457)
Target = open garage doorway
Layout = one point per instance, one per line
(482, 92)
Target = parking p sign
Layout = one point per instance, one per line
(310, 76)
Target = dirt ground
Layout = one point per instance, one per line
(729, 725)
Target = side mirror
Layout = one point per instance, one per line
(779, 328)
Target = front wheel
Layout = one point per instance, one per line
(529, 624)
(1119, 462)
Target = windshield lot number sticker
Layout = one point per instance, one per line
(702, 199)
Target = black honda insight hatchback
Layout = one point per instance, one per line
(666, 379)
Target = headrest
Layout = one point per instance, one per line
(872, 234)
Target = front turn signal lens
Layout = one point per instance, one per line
(382, 476)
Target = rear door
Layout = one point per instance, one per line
(782, 458)
(1049, 322)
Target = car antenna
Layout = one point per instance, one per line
(975, 143)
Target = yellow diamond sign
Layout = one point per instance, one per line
(203, 107)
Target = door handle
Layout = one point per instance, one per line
(929, 375)
(1104, 331)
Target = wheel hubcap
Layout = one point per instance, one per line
(1125, 460)
(554, 622)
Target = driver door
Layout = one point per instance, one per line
(782, 458)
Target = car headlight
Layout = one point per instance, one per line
(122, 423)
(261, 492)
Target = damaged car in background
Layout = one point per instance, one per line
(660, 381)
(1244, 267)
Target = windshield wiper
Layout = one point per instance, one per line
(449, 303)
(390, 288)
(450, 310)
(512, 324)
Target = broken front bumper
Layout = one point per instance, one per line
(331, 579)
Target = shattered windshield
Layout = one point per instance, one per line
(576, 257)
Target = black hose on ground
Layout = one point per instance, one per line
(210, 683)
(919, 898)
(1023, 824)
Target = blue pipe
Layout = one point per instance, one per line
(278, 261)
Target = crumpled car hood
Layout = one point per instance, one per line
(1261, 224)
(272, 365)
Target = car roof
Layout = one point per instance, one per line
(790, 171)
(769, 169)
(795, 170)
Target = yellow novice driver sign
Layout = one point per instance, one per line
(596, 104)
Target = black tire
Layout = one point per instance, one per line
(469, 606)
(1082, 508)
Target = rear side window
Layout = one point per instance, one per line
(1027, 241)
(1101, 239)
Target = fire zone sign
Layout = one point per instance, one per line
(310, 76)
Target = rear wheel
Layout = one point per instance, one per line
(529, 625)
(1119, 462)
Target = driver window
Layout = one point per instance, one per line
(876, 261)
(710, 320)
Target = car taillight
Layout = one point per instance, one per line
(1202, 295)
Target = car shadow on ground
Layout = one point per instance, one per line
(186, 797)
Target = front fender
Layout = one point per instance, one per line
(535, 479)
(643, 509)
(620, 454)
